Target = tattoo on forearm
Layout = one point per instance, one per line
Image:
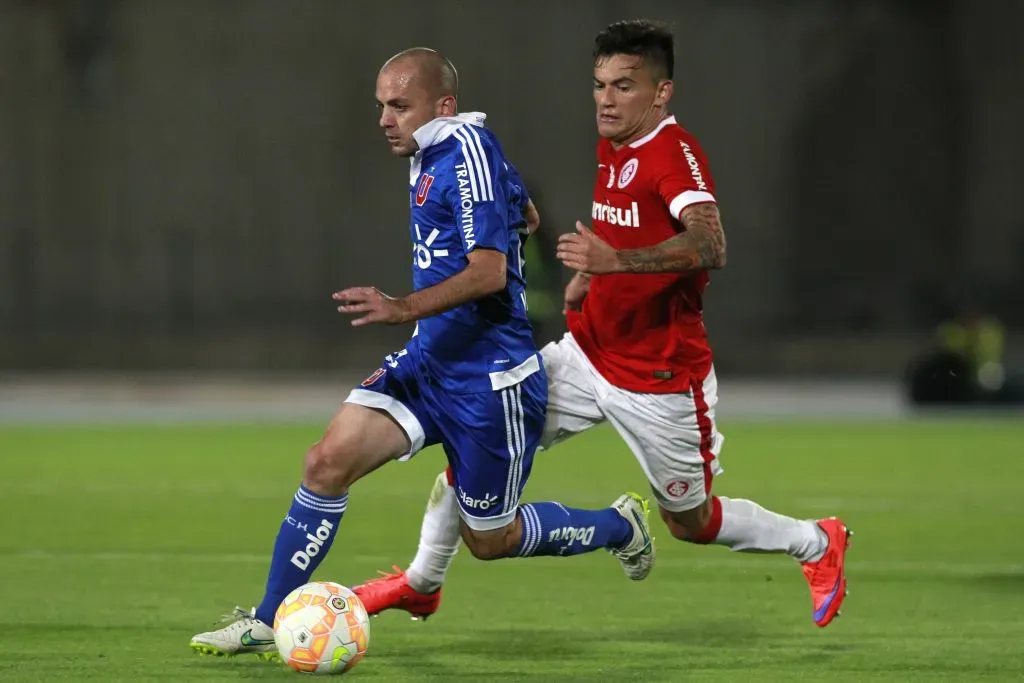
(700, 247)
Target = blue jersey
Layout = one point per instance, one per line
(464, 195)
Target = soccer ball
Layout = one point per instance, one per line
(321, 628)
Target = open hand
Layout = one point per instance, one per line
(585, 252)
(377, 306)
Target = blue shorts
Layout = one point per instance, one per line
(489, 437)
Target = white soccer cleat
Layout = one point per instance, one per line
(245, 634)
(637, 557)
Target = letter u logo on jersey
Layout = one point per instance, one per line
(423, 189)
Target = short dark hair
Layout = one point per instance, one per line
(650, 40)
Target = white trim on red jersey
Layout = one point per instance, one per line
(667, 121)
(687, 198)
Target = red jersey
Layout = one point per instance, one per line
(645, 332)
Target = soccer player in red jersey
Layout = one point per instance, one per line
(637, 354)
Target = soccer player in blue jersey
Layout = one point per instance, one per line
(470, 379)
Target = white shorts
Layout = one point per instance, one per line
(673, 436)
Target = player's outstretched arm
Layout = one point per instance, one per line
(700, 247)
(484, 275)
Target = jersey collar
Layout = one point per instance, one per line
(667, 121)
(437, 131)
(440, 129)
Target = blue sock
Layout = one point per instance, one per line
(302, 543)
(553, 529)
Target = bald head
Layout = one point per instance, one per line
(436, 73)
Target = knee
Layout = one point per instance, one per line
(691, 525)
(490, 545)
(329, 466)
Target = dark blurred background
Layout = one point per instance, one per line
(183, 183)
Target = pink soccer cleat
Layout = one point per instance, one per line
(392, 591)
(826, 577)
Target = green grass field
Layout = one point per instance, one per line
(119, 543)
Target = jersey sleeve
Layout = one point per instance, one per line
(522, 197)
(518, 199)
(478, 197)
(686, 178)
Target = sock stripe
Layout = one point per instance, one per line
(524, 545)
(320, 508)
(538, 531)
(525, 541)
(310, 500)
(530, 527)
(324, 500)
(320, 503)
(531, 531)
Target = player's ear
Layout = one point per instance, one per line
(663, 93)
(446, 106)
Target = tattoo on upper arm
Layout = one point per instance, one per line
(700, 247)
(704, 224)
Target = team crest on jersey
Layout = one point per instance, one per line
(677, 488)
(423, 189)
(377, 374)
(628, 173)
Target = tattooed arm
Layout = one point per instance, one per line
(700, 247)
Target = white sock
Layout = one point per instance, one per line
(439, 538)
(748, 527)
